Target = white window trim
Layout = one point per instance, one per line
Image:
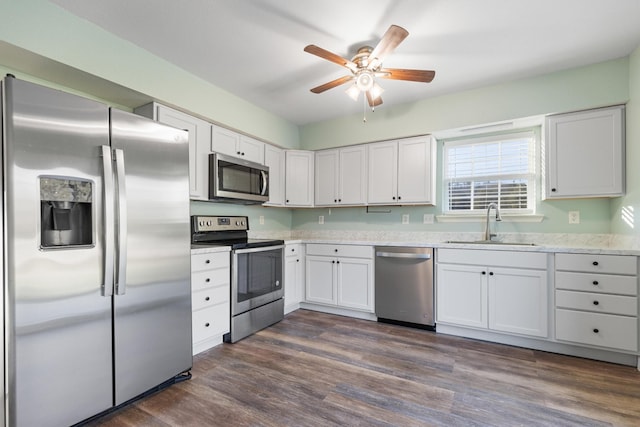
(508, 215)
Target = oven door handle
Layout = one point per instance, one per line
(260, 249)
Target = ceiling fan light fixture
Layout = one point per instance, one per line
(353, 92)
(376, 90)
(365, 81)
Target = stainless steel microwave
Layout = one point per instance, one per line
(237, 181)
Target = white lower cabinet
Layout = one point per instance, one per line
(210, 298)
(340, 276)
(596, 300)
(293, 276)
(494, 290)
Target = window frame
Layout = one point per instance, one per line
(533, 175)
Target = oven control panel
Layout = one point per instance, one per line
(219, 223)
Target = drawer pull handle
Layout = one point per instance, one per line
(206, 325)
(596, 303)
(595, 283)
(207, 261)
(595, 262)
(207, 299)
(335, 250)
(596, 330)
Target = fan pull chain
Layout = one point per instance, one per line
(364, 109)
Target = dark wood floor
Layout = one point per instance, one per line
(315, 369)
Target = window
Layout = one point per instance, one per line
(482, 170)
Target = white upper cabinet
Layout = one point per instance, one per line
(199, 140)
(585, 154)
(228, 142)
(299, 178)
(402, 172)
(340, 178)
(274, 158)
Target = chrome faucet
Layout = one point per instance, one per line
(487, 232)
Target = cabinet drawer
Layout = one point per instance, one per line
(292, 250)
(484, 257)
(209, 297)
(591, 282)
(210, 278)
(604, 330)
(614, 264)
(600, 303)
(210, 322)
(211, 260)
(351, 251)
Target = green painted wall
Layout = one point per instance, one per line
(624, 210)
(592, 86)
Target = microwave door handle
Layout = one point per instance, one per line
(121, 271)
(265, 179)
(108, 221)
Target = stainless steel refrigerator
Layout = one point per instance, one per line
(96, 255)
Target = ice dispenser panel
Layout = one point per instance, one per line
(65, 212)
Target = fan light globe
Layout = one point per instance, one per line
(364, 81)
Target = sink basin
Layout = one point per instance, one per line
(489, 242)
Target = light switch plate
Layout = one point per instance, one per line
(427, 219)
(405, 218)
(574, 217)
(261, 219)
(320, 219)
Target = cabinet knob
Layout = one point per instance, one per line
(484, 272)
(595, 283)
(491, 273)
(339, 200)
(394, 197)
(333, 262)
(596, 330)
(553, 190)
(243, 153)
(399, 197)
(207, 261)
(335, 250)
(207, 298)
(595, 262)
(206, 325)
(297, 260)
(207, 280)
(238, 153)
(287, 200)
(335, 200)
(596, 303)
(338, 262)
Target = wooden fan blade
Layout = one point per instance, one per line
(332, 84)
(391, 39)
(373, 102)
(329, 56)
(424, 76)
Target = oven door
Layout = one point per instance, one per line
(256, 277)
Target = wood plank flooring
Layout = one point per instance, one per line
(315, 369)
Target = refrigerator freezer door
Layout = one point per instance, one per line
(58, 338)
(152, 317)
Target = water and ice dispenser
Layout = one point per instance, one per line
(65, 212)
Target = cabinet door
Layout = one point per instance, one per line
(224, 141)
(461, 295)
(518, 301)
(290, 284)
(352, 175)
(199, 138)
(320, 280)
(383, 172)
(326, 177)
(299, 178)
(585, 153)
(416, 170)
(251, 149)
(274, 159)
(355, 283)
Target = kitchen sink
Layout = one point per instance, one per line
(489, 242)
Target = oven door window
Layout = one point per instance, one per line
(238, 178)
(259, 273)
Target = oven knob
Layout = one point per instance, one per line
(209, 223)
(237, 222)
(242, 223)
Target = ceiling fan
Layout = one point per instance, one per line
(366, 65)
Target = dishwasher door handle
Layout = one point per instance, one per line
(403, 255)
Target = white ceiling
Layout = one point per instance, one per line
(254, 48)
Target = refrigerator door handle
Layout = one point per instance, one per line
(109, 221)
(121, 272)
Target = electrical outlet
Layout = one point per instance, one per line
(427, 219)
(574, 217)
(405, 218)
(320, 219)
(261, 219)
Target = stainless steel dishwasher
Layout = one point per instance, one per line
(404, 285)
